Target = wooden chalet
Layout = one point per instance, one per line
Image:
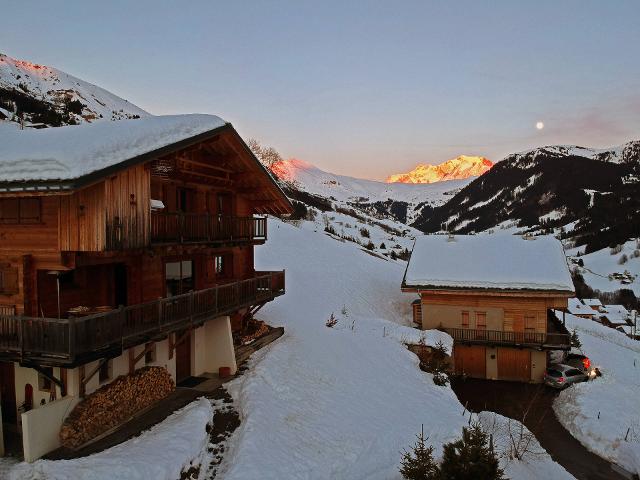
(125, 244)
(494, 294)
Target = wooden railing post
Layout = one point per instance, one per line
(72, 338)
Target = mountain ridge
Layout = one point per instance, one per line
(40, 96)
(459, 168)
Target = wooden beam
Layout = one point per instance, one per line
(85, 380)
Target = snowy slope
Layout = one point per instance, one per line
(600, 413)
(340, 187)
(55, 87)
(340, 402)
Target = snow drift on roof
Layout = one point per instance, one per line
(500, 261)
(66, 153)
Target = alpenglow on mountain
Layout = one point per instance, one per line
(458, 168)
(39, 96)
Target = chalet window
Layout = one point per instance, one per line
(44, 383)
(23, 211)
(8, 279)
(150, 356)
(465, 319)
(179, 277)
(481, 320)
(104, 374)
(222, 266)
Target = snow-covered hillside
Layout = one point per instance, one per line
(603, 414)
(46, 95)
(344, 188)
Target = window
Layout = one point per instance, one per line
(465, 319)
(22, 211)
(8, 279)
(222, 265)
(44, 383)
(178, 277)
(104, 374)
(150, 356)
(481, 320)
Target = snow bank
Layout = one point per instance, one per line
(66, 153)
(489, 261)
(159, 453)
(613, 397)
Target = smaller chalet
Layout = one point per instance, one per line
(494, 294)
(579, 309)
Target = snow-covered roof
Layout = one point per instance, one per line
(592, 302)
(615, 313)
(576, 307)
(488, 262)
(67, 153)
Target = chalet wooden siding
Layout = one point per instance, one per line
(82, 220)
(128, 208)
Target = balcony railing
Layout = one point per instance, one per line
(73, 341)
(203, 227)
(499, 337)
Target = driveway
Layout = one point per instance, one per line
(510, 399)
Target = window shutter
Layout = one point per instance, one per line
(508, 321)
(29, 210)
(8, 280)
(9, 210)
(542, 322)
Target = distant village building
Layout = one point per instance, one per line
(579, 309)
(494, 295)
(124, 244)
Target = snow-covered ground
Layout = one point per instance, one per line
(604, 270)
(159, 453)
(339, 402)
(601, 413)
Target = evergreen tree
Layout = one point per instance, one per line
(470, 458)
(418, 464)
(575, 340)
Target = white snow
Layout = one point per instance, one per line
(55, 87)
(576, 307)
(159, 453)
(488, 261)
(73, 151)
(601, 412)
(338, 402)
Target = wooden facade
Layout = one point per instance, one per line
(146, 250)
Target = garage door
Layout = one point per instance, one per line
(470, 360)
(514, 364)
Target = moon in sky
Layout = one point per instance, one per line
(539, 125)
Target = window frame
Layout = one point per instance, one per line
(19, 219)
(483, 325)
(465, 315)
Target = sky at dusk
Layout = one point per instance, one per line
(358, 88)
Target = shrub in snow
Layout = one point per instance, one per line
(636, 253)
(581, 262)
(331, 321)
(370, 245)
(470, 458)
(418, 464)
(615, 250)
(623, 259)
(329, 229)
(383, 246)
(435, 362)
(364, 232)
(393, 255)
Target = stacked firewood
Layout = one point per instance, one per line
(256, 329)
(114, 403)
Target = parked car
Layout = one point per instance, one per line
(579, 361)
(561, 376)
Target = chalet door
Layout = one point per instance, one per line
(183, 356)
(470, 360)
(514, 364)
(8, 393)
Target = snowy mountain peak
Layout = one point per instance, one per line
(459, 168)
(43, 96)
(620, 154)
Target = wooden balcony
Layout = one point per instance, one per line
(206, 228)
(184, 228)
(74, 341)
(545, 341)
